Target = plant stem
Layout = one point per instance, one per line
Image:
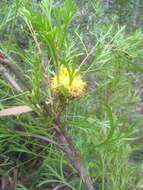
(10, 79)
(68, 146)
(73, 156)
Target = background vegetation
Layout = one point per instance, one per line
(105, 39)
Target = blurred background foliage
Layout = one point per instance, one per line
(106, 124)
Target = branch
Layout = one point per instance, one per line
(14, 111)
(74, 156)
(40, 137)
(6, 75)
(59, 187)
(18, 73)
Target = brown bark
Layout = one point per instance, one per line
(73, 156)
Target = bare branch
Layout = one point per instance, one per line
(18, 73)
(59, 187)
(6, 75)
(14, 111)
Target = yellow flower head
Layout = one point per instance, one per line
(69, 82)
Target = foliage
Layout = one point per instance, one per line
(101, 123)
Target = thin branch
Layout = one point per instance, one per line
(18, 73)
(43, 138)
(59, 187)
(6, 75)
(14, 111)
(35, 38)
